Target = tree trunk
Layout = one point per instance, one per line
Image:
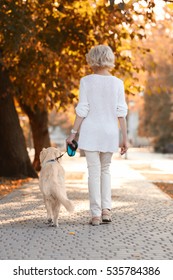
(14, 159)
(39, 126)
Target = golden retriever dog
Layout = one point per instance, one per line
(52, 184)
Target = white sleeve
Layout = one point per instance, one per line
(122, 105)
(82, 108)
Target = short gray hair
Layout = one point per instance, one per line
(100, 56)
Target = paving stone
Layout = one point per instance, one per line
(142, 226)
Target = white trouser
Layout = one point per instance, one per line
(99, 181)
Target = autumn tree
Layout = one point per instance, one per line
(44, 65)
(156, 116)
(44, 45)
(12, 146)
(36, 38)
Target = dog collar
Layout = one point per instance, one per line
(55, 159)
(50, 160)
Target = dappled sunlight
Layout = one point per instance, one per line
(129, 189)
(139, 224)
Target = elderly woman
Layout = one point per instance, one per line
(101, 104)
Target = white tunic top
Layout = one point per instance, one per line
(101, 102)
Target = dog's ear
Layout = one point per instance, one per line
(43, 154)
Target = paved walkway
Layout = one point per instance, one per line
(142, 226)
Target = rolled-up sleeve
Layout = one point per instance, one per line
(82, 108)
(122, 105)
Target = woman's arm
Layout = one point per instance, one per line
(82, 110)
(123, 126)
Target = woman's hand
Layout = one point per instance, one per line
(124, 147)
(70, 138)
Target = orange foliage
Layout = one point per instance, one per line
(8, 185)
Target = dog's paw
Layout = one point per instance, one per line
(53, 225)
(56, 225)
(49, 221)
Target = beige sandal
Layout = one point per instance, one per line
(95, 221)
(106, 216)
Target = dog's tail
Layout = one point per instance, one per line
(66, 203)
